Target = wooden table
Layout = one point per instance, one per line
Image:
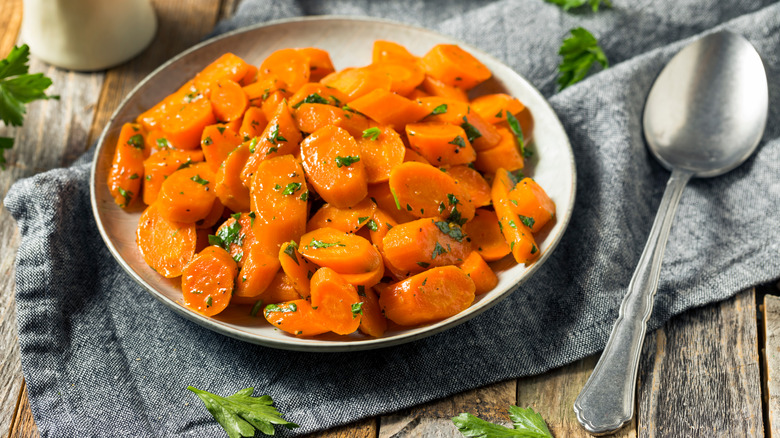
(701, 374)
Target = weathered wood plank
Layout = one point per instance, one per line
(771, 352)
(361, 429)
(552, 395)
(434, 419)
(699, 374)
(24, 424)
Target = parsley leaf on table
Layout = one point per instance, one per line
(571, 4)
(526, 423)
(580, 52)
(18, 87)
(240, 414)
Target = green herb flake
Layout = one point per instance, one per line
(256, 308)
(274, 136)
(527, 221)
(185, 164)
(227, 235)
(534, 249)
(238, 256)
(133, 176)
(253, 145)
(221, 129)
(148, 177)
(305, 196)
(437, 251)
(362, 219)
(284, 308)
(455, 217)
(514, 124)
(290, 251)
(459, 142)
(424, 264)
(136, 141)
(346, 161)
(199, 180)
(357, 309)
(127, 194)
(207, 141)
(452, 230)
(472, 133)
(317, 244)
(291, 188)
(372, 225)
(312, 98)
(252, 217)
(361, 290)
(441, 207)
(512, 224)
(395, 198)
(372, 133)
(209, 301)
(579, 52)
(441, 109)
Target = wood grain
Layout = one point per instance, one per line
(11, 22)
(24, 424)
(699, 374)
(771, 352)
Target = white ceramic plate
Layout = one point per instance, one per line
(349, 42)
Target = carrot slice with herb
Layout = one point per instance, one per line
(217, 143)
(425, 191)
(320, 64)
(475, 185)
(388, 108)
(207, 281)
(343, 252)
(331, 158)
(258, 92)
(235, 235)
(531, 203)
(381, 149)
(159, 166)
(310, 117)
(454, 66)
(188, 194)
(186, 122)
(154, 116)
(435, 87)
(127, 168)
(280, 137)
(412, 155)
(404, 76)
(253, 123)
(383, 197)
(336, 302)
(493, 107)
(258, 270)
(441, 143)
(295, 317)
(229, 187)
(211, 219)
(517, 234)
(388, 51)
(505, 155)
(317, 93)
(167, 247)
(379, 225)
(429, 296)
(486, 237)
(479, 271)
(297, 267)
(281, 289)
(289, 65)
(418, 245)
(356, 82)
(373, 321)
(227, 66)
(228, 100)
(348, 220)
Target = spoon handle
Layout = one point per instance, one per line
(606, 402)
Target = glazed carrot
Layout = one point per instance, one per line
(475, 185)
(235, 235)
(517, 234)
(295, 317)
(388, 51)
(217, 143)
(188, 194)
(356, 82)
(320, 64)
(297, 267)
(167, 247)
(440, 143)
(526, 121)
(388, 108)
(435, 87)
(475, 267)
(279, 199)
(532, 204)
(404, 76)
(201, 239)
(493, 107)
(335, 301)
(481, 134)
(381, 149)
(155, 141)
(310, 117)
(418, 245)
(228, 186)
(331, 158)
(317, 93)
(127, 169)
(367, 279)
(446, 110)
(253, 123)
(280, 137)
(289, 65)
(234, 125)
(382, 196)
(348, 220)
(207, 281)
(281, 289)
(272, 102)
(412, 155)
(211, 219)
(158, 167)
(429, 296)
(417, 94)
(186, 122)
(486, 237)
(258, 270)
(454, 66)
(227, 66)
(343, 252)
(250, 77)
(153, 117)
(425, 191)
(258, 92)
(505, 155)
(372, 322)
(378, 227)
(228, 100)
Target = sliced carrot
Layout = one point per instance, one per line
(320, 64)
(280, 137)
(331, 158)
(167, 247)
(310, 117)
(207, 281)
(367, 279)
(517, 234)
(425, 191)
(250, 77)
(486, 237)
(356, 82)
(418, 245)
(253, 123)
(442, 109)
(258, 92)
(526, 121)
(343, 252)
(373, 321)
(379, 225)
(388, 51)
(154, 116)
(289, 65)
(211, 219)
(435, 87)
(279, 199)
(234, 125)
(236, 236)
(531, 203)
(158, 167)
(383, 197)
(281, 289)
(188, 194)
(227, 66)
(295, 317)
(272, 102)
(441, 143)
(317, 93)
(478, 270)
(505, 155)
(127, 168)
(417, 94)
(297, 267)
(228, 186)
(429, 296)
(228, 100)
(412, 155)
(493, 107)
(481, 134)
(471, 180)
(186, 122)
(217, 143)
(388, 108)
(258, 271)
(348, 220)
(381, 149)
(155, 142)
(335, 301)
(454, 66)
(404, 76)
(202, 239)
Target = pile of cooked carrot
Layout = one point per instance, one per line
(333, 200)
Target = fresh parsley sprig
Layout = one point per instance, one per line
(580, 52)
(17, 88)
(240, 414)
(526, 424)
(573, 4)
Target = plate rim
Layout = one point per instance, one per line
(316, 345)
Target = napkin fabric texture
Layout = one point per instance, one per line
(103, 358)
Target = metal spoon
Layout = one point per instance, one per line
(704, 116)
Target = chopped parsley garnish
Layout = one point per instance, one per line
(346, 161)
(424, 264)
(238, 256)
(518, 131)
(441, 109)
(148, 177)
(207, 141)
(451, 230)
(127, 194)
(515, 177)
(441, 207)
(305, 196)
(253, 145)
(357, 309)
(271, 150)
(571, 4)
(163, 143)
(395, 198)
(227, 235)
(317, 244)
(362, 219)
(452, 199)
(361, 290)
(455, 217)
(527, 221)
(291, 188)
(312, 98)
(437, 251)
(286, 308)
(185, 164)
(275, 136)
(256, 308)
(209, 301)
(290, 251)
(199, 180)
(459, 142)
(133, 176)
(372, 225)
(252, 216)
(221, 129)
(472, 133)
(512, 224)
(372, 133)
(136, 141)
(534, 249)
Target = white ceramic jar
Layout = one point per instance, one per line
(87, 34)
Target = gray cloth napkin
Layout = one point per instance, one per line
(103, 358)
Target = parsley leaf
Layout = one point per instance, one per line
(317, 244)
(372, 225)
(346, 161)
(275, 136)
(227, 235)
(451, 230)
(571, 4)
(526, 424)
(199, 180)
(372, 133)
(579, 52)
(472, 133)
(357, 309)
(312, 98)
(441, 109)
(240, 414)
(437, 250)
(290, 251)
(291, 188)
(527, 221)
(514, 124)
(458, 141)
